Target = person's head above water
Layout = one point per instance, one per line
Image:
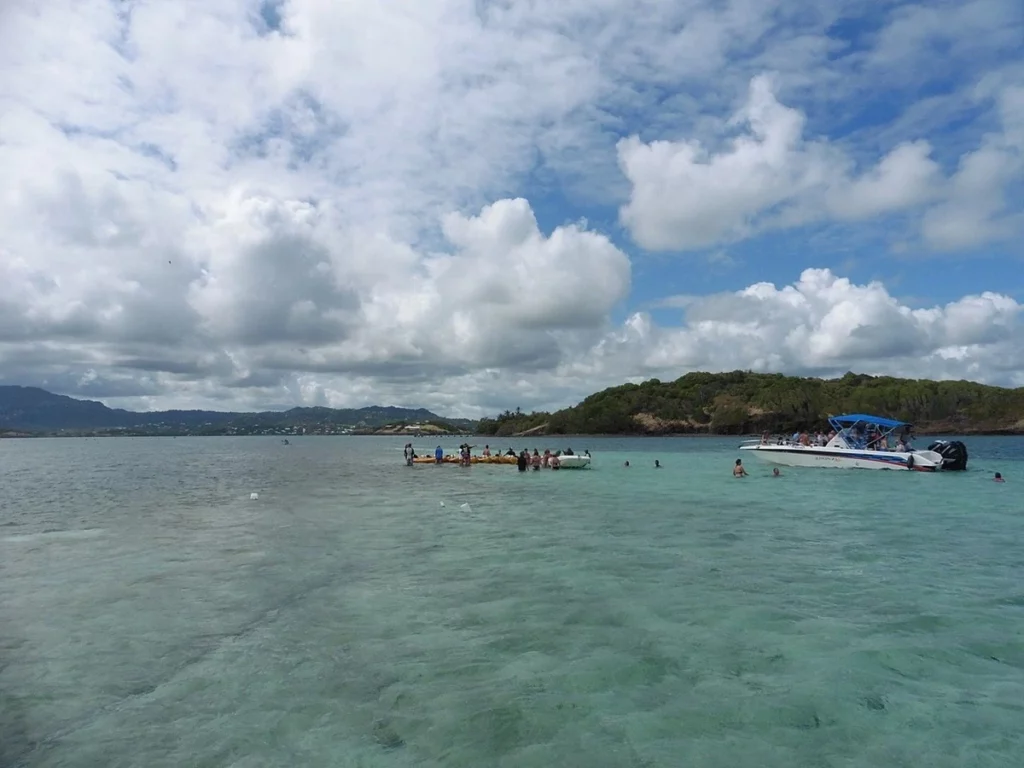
(738, 462)
(998, 478)
(657, 464)
(775, 472)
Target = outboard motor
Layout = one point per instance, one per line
(953, 452)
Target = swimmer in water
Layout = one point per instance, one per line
(775, 472)
(738, 470)
(626, 464)
(657, 464)
(999, 478)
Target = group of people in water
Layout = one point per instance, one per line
(738, 470)
(524, 459)
(537, 460)
(550, 460)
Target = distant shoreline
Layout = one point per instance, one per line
(496, 439)
(696, 405)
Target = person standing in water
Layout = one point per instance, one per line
(738, 470)
(523, 461)
(438, 455)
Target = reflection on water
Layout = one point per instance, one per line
(152, 615)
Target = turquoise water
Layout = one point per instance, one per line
(152, 615)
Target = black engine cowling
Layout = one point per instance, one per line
(954, 454)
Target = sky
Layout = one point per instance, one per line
(480, 205)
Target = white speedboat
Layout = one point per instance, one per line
(573, 461)
(862, 441)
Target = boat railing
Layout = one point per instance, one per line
(769, 443)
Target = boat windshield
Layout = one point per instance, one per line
(864, 431)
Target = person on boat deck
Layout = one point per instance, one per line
(738, 470)
(805, 440)
(510, 452)
(438, 454)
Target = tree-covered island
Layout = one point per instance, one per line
(744, 403)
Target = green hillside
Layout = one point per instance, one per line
(744, 403)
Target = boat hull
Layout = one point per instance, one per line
(573, 462)
(844, 458)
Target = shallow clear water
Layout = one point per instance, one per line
(152, 615)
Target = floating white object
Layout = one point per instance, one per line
(442, 503)
(466, 507)
(253, 496)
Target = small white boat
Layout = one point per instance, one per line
(862, 441)
(573, 462)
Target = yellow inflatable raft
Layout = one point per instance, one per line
(454, 459)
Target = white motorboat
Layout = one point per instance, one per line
(862, 441)
(573, 461)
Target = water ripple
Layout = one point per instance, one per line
(151, 614)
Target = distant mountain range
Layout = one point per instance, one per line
(31, 409)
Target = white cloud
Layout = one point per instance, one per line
(957, 28)
(196, 209)
(905, 177)
(686, 196)
(825, 323)
(978, 208)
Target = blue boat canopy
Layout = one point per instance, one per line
(854, 418)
